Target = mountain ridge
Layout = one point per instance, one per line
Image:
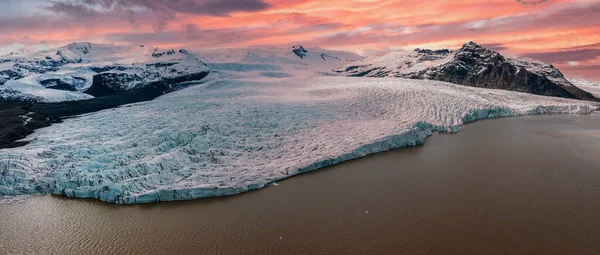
(472, 65)
(83, 70)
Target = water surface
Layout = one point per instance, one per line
(527, 185)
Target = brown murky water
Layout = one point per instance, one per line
(528, 185)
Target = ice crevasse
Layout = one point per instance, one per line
(230, 136)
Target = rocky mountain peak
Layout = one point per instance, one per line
(299, 51)
(432, 52)
(471, 45)
(473, 53)
(474, 47)
(158, 53)
(476, 66)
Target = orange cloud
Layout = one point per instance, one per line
(356, 25)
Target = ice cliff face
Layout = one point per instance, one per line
(230, 136)
(472, 65)
(83, 70)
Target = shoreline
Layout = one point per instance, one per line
(415, 137)
(486, 181)
(178, 163)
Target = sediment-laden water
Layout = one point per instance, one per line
(526, 185)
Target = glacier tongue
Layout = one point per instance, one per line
(229, 136)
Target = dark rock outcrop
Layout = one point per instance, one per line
(6, 75)
(299, 51)
(107, 68)
(106, 84)
(63, 84)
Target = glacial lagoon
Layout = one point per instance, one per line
(524, 185)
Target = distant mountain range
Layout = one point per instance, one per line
(471, 65)
(41, 88)
(81, 71)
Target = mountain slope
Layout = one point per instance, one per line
(83, 70)
(41, 88)
(277, 61)
(472, 65)
(589, 86)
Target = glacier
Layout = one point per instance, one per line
(228, 136)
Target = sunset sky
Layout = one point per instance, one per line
(563, 32)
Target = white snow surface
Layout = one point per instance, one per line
(228, 136)
(589, 86)
(542, 69)
(403, 62)
(278, 62)
(28, 87)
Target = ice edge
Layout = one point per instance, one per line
(416, 136)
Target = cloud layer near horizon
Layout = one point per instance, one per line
(563, 32)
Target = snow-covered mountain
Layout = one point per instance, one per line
(84, 70)
(397, 64)
(277, 61)
(471, 65)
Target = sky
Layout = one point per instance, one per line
(565, 33)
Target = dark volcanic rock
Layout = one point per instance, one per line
(105, 84)
(60, 84)
(157, 54)
(433, 52)
(108, 68)
(6, 75)
(186, 78)
(299, 51)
